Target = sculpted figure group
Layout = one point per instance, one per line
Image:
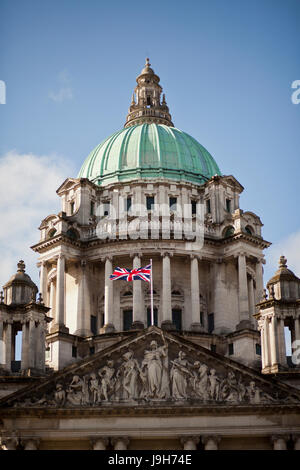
(154, 378)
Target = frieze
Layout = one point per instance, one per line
(154, 372)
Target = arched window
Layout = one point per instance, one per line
(51, 233)
(73, 234)
(228, 231)
(249, 230)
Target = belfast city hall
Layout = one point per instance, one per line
(151, 327)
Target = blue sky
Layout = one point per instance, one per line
(226, 67)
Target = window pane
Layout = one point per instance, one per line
(94, 324)
(149, 316)
(150, 203)
(176, 318)
(194, 207)
(127, 320)
(173, 203)
(211, 322)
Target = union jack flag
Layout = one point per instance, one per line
(143, 274)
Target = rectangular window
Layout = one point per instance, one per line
(127, 320)
(176, 318)
(150, 203)
(173, 203)
(258, 349)
(208, 210)
(202, 318)
(94, 324)
(230, 349)
(194, 207)
(228, 205)
(149, 316)
(92, 350)
(92, 208)
(128, 204)
(72, 207)
(74, 351)
(213, 348)
(106, 208)
(211, 322)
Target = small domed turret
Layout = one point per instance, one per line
(284, 284)
(20, 289)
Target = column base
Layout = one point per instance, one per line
(244, 324)
(83, 332)
(59, 328)
(168, 325)
(108, 328)
(137, 325)
(197, 327)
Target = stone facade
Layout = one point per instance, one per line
(210, 373)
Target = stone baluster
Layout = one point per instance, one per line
(279, 442)
(195, 294)
(166, 293)
(99, 443)
(108, 298)
(138, 304)
(189, 442)
(120, 443)
(211, 442)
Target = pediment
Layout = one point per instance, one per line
(154, 368)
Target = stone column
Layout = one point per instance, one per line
(279, 442)
(266, 345)
(195, 294)
(8, 344)
(43, 278)
(166, 323)
(52, 297)
(281, 342)
(120, 443)
(40, 345)
(2, 348)
(32, 343)
(138, 304)
(259, 281)
(297, 328)
(273, 342)
(83, 306)
(99, 443)
(60, 296)
(211, 442)
(9, 443)
(31, 444)
(251, 299)
(25, 346)
(189, 442)
(243, 293)
(108, 298)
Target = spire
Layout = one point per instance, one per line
(148, 107)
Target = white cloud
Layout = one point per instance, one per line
(65, 91)
(288, 247)
(28, 186)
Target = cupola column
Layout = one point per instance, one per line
(25, 346)
(8, 344)
(259, 280)
(195, 294)
(166, 293)
(32, 343)
(243, 293)
(138, 304)
(108, 298)
(43, 278)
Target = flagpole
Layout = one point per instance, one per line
(151, 288)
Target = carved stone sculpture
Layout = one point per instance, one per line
(155, 364)
(179, 376)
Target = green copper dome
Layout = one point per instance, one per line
(149, 151)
